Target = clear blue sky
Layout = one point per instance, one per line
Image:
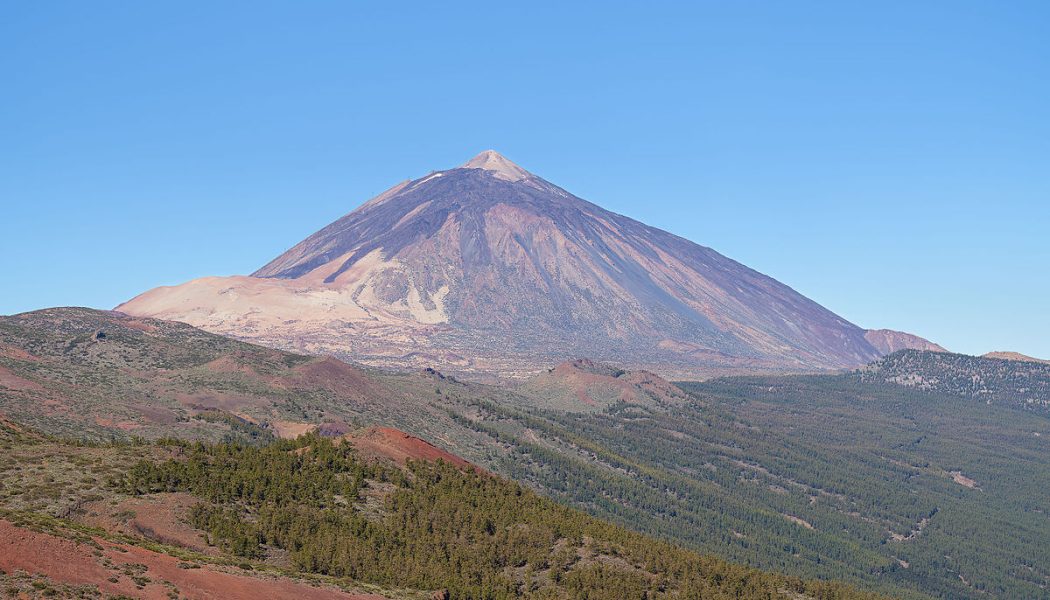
(890, 160)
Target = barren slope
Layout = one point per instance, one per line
(487, 268)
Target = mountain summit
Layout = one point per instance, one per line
(498, 165)
(487, 268)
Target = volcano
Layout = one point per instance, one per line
(489, 269)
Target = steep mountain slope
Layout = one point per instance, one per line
(887, 341)
(488, 268)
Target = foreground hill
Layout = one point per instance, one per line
(1009, 381)
(911, 492)
(67, 530)
(308, 519)
(104, 375)
(487, 268)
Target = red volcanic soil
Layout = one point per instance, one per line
(16, 353)
(159, 517)
(351, 384)
(139, 324)
(230, 364)
(398, 446)
(121, 425)
(337, 376)
(13, 382)
(655, 385)
(10, 425)
(582, 378)
(580, 374)
(66, 561)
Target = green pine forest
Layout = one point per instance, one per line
(817, 476)
(433, 526)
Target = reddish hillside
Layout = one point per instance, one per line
(395, 445)
(131, 571)
(88, 373)
(583, 384)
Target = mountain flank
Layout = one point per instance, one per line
(102, 375)
(887, 341)
(489, 269)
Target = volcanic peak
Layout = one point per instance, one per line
(501, 168)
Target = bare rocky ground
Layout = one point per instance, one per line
(488, 274)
